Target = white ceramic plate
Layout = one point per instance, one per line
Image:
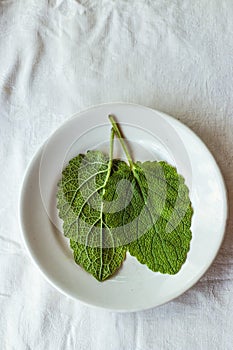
(152, 136)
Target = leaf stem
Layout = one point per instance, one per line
(118, 133)
(111, 147)
(110, 156)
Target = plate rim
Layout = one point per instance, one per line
(33, 161)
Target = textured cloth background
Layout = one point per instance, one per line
(59, 57)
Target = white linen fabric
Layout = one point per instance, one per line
(59, 57)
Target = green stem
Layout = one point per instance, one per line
(117, 131)
(110, 156)
(111, 147)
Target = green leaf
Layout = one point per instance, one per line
(81, 207)
(160, 234)
(164, 239)
(100, 262)
(109, 207)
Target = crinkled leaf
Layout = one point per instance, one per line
(100, 262)
(109, 207)
(163, 235)
(81, 207)
(160, 235)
